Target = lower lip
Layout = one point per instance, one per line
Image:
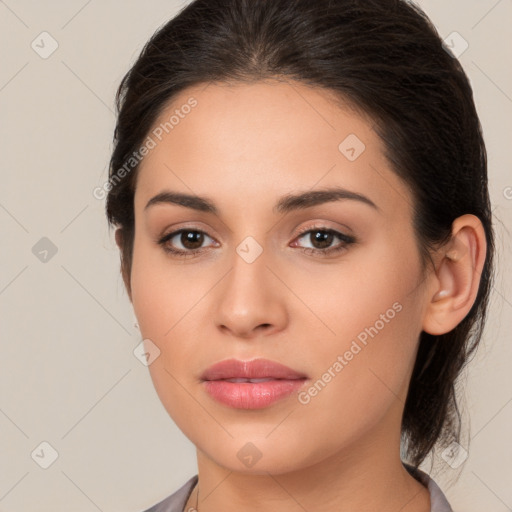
(247, 395)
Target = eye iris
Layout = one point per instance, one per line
(324, 238)
(192, 237)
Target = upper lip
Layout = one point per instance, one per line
(253, 369)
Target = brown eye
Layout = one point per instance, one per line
(322, 238)
(191, 239)
(184, 242)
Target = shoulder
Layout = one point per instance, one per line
(176, 501)
(438, 501)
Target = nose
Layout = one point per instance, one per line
(250, 301)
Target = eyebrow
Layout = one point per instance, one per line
(287, 203)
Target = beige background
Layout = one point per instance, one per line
(68, 374)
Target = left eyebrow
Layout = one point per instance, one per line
(304, 200)
(287, 203)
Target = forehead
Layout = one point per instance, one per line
(245, 140)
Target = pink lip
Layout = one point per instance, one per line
(254, 369)
(281, 382)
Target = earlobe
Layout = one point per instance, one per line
(456, 279)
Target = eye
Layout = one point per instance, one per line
(323, 239)
(191, 241)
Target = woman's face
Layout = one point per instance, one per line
(262, 282)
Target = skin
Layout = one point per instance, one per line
(244, 146)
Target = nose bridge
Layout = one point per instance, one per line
(251, 295)
(248, 280)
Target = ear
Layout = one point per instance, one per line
(454, 284)
(124, 271)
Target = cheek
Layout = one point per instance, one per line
(374, 311)
(164, 307)
(161, 293)
(371, 289)
(167, 316)
(360, 378)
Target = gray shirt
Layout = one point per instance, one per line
(176, 502)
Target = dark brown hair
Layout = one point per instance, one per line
(386, 58)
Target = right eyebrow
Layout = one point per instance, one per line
(187, 200)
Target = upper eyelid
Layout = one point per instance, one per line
(318, 226)
(324, 227)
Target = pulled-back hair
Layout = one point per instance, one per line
(386, 59)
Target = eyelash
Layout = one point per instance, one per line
(346, 241)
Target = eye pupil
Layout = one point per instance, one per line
(195, 238)
(324, 238)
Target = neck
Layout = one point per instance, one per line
(367, 478)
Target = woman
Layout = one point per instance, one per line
(300, 195)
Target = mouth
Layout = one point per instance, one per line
(254, 370)
(254, 384)
(252, 381)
